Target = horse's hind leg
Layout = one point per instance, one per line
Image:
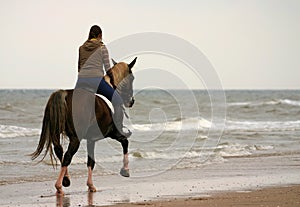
(91, 165)
(72, 149)
(59, 153)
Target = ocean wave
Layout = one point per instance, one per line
(227, 150)
(170, 155)
(290, 102)
(176, 125)
(239, 104)
(7, 131)
(266, 103)
(263, 125)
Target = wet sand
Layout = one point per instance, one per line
(212, 185)
(276, 196)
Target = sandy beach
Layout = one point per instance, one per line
(276, 196)
(233, 183)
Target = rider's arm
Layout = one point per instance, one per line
(105, 58)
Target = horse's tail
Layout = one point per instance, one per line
(54, 123)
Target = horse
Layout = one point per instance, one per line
(80, 114)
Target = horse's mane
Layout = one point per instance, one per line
(117, 73)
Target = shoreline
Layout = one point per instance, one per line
(181, 185)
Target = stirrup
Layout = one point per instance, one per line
(123, 134)
(126, 132)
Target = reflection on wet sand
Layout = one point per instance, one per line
(65, 201)
(62, 201)
(90, 198)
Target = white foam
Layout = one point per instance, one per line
(235, 150)
(167, 155)
(7, 131)
(239, 104)
(290, 102)
(264, 103)
(263, 125)
(240, 150)
(185, 124)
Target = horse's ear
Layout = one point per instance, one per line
(114, 62)
(130, 65)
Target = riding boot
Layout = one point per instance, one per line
(121, 130)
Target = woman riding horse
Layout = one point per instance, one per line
(79, 114)
(93, 55)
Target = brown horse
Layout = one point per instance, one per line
(79, 114)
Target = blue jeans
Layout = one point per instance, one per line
(100, 86)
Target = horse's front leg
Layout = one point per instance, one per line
(125, 169)
(72, 149)
(91, 165)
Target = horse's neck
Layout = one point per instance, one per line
(108, 80)
(117, 78)
(119, 72)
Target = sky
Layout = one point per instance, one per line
(251, 44)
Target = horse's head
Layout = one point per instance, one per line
(122, 80)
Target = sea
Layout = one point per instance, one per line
(172, 129)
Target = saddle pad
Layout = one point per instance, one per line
(108, 103)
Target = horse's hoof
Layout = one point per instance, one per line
(66, 181)
(124, 172)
